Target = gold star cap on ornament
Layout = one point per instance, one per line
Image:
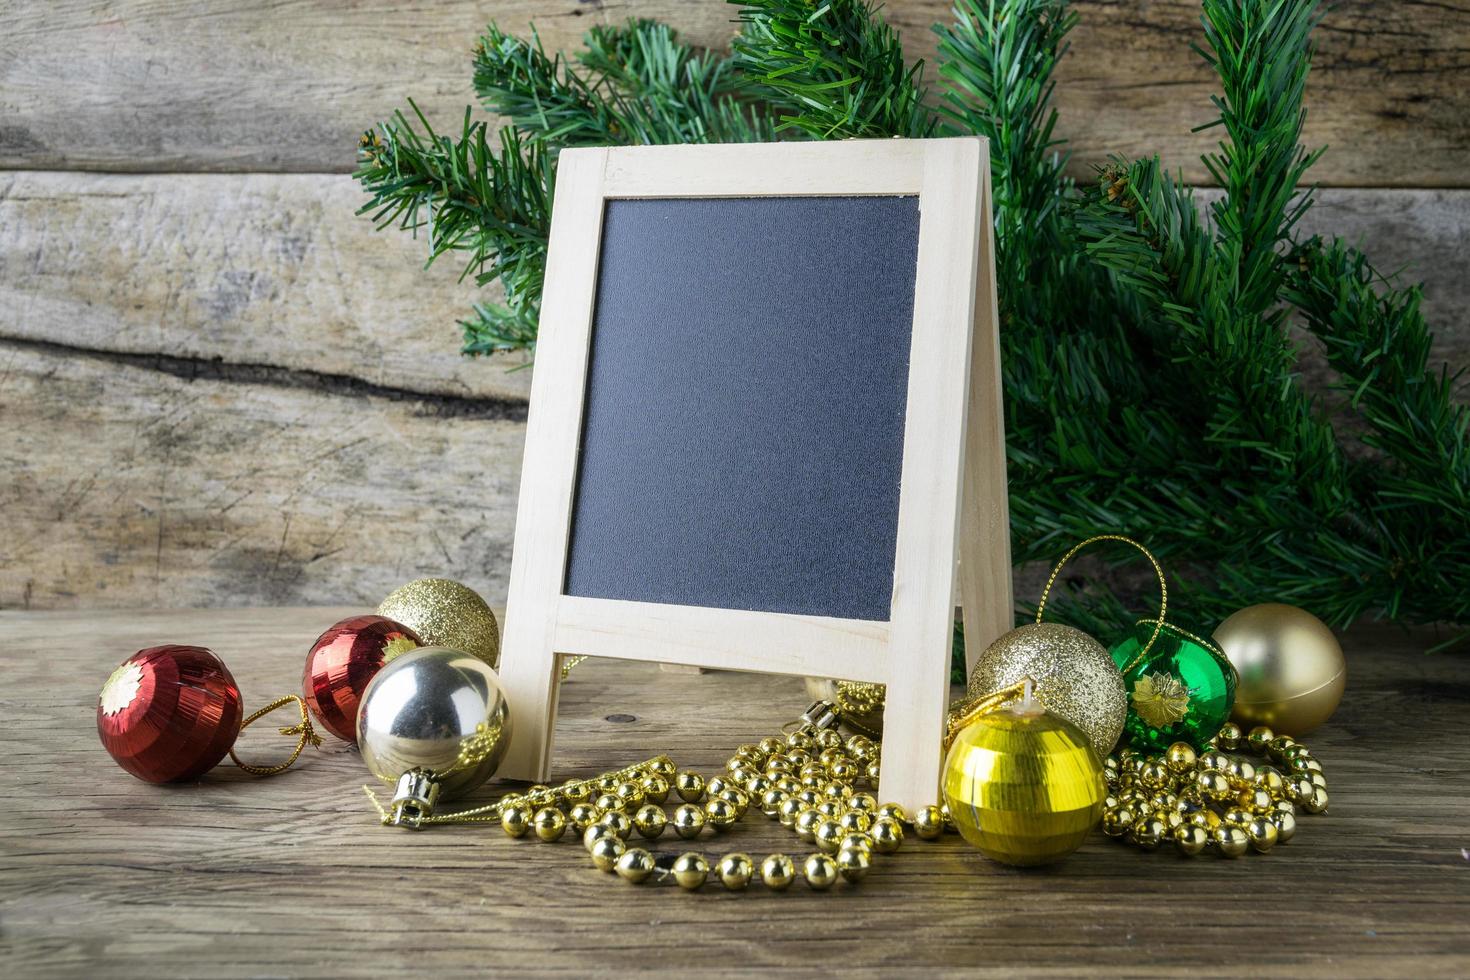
(1160, 699)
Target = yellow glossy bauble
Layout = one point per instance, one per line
(655, 788)
(1075, 678)
(1023, 785)
(445, 613)
(720, 814)
(827, 836)
(1285, 825)
(1291, 667)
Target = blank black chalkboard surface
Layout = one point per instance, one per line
(742, 439)
(765, 424)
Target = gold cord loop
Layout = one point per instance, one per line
(1209, 645)
(1158, 570)
(969, 711)
(307, 735)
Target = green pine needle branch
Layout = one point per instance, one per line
(1150, 369)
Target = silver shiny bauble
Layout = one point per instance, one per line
(439, 711)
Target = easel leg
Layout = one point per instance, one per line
(532, 681)
(985, 522)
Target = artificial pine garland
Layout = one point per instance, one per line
(1150, 374)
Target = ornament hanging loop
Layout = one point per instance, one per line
(1158, 570)
(306, 736)
(971, 711)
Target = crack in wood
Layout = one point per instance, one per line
(189, 368)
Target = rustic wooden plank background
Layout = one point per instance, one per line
(190, 313)
(105, 876)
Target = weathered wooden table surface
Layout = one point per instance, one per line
(102, 875)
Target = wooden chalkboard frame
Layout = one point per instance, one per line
(952, 504)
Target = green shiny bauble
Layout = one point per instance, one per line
(1023, 785)
(1074, 676)
(1180, 691)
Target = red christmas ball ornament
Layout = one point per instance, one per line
(343, 661)
(169, 713)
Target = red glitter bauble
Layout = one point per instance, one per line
(341, 663)
(169, 713)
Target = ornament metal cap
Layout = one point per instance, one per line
(820, 716)
(413, 801)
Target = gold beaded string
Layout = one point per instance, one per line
(538, 796)
(308, 736)
(1211, 800)
(855, 699)
(804, 779)
(1158, 570)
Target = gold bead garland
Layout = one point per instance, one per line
(1212, 800)
(808, 779)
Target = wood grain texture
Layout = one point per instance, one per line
(236, 877)
(270, 271)
(220, 85)
(275, 271)
(122, 482)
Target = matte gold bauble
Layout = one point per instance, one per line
(1291, 667)
(1075, 677)
(1023, 785)
(445, 613)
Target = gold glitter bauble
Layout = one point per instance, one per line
(1291, 667)
(445, 613)
(1075, 677)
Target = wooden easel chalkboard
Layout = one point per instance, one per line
(766, 403)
